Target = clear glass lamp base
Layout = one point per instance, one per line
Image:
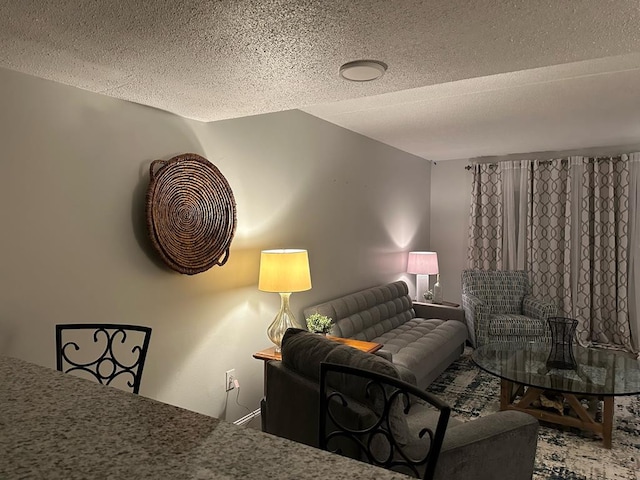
(284, 319)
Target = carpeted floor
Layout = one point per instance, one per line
(562, 453)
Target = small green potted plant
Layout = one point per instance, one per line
(319, 323)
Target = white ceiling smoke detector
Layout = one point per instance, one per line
(363, 70)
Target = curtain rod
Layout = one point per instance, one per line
(542, 162)
(611, 151)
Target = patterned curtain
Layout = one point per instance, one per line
(485, 227)
(573, 224)
(499, 203)
(550, 231)
(634, 248)
(578, 243)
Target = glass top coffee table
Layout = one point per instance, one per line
(599, 375)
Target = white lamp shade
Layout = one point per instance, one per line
(423, 263)
(284, 271)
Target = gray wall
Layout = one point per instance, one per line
(450, 201)
(74, 246)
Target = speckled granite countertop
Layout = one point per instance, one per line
(56, 426)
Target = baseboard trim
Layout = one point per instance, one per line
(248, 417)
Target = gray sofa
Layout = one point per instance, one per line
(499, 446)
(419, 339)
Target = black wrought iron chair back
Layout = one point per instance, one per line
(378, 441)
(109, 357)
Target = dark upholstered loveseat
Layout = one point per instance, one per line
(415, 338)
(499, 446)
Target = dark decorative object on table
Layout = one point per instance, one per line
(191, 213)
(111, 361)
(562, 334)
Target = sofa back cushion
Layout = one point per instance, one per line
(303, 351)
(368, 314)
(357, 387)
(502, 290)
(346, 355)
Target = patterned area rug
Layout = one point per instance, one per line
(563, 453)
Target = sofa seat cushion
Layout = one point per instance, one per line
(421, 417)
(505, 325)
(421, 341)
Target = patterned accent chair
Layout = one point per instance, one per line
(499, 308)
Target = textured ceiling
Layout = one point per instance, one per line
(573, 106)
(212, 60)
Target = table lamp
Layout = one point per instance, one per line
(284, 272)
(424, 264)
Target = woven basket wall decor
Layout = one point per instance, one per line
(191, 213)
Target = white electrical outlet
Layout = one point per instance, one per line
(229, 377)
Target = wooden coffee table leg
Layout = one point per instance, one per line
(506, 387)
(607, 421)
(509, 390)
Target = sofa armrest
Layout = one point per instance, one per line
(538, 308)
(386, 354)
(291, 409)
(475, 314)
(501, 445)
(433, 310)
(291, 406)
